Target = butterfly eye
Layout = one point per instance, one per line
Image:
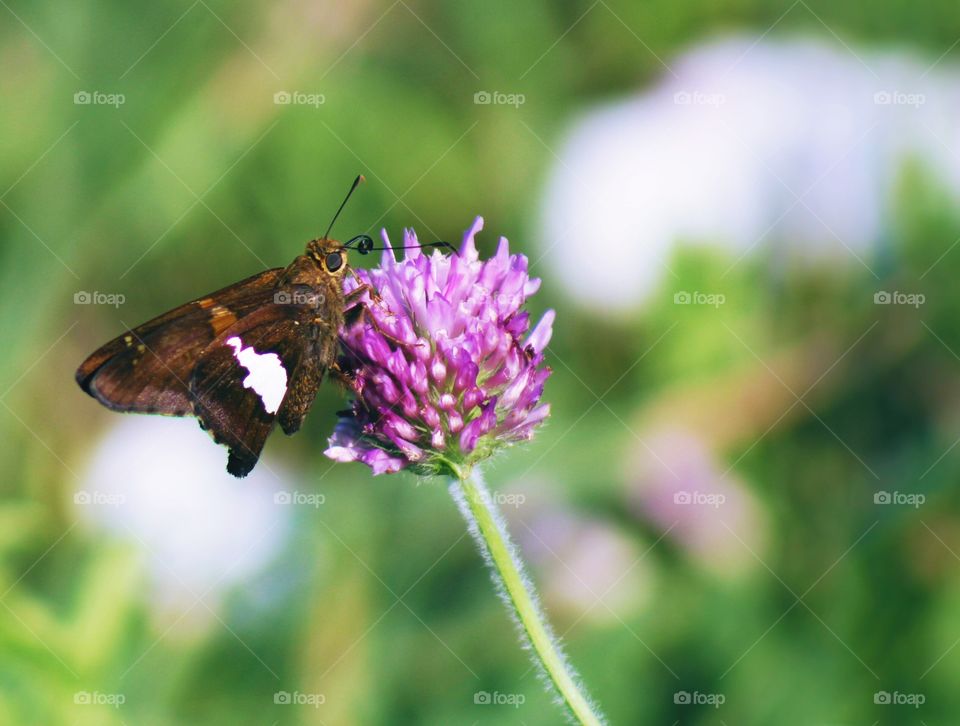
(334, 261)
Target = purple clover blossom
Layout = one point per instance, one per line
(447, 373)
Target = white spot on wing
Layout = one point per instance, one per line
(268, 377)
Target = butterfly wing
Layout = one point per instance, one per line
(148, 369)
(243, 377)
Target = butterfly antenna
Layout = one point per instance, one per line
(356, 183)
(364, 244)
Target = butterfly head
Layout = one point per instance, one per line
(329, 255)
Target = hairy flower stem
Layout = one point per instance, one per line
(488, 529)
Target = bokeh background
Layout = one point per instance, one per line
(744, 507)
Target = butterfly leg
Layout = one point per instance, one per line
(346, 379)
(363, 287)
(360, 312)
(361, 283)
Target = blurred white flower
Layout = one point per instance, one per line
(755, 145)
(160, 483)
(682, 490)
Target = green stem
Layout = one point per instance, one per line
(487, 527)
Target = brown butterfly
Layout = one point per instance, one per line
(244, 357)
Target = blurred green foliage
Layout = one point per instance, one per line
(199, 178)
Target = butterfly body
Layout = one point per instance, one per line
(240, 359)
